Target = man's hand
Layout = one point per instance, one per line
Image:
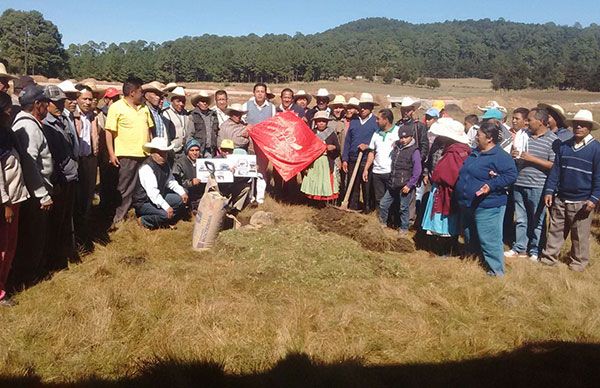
(195, 182)
(515, 154)
(185, 198)
(526, 156)
(548, 198)
(46, 205)
(114, 160)
(485, 189)
(345, 167)
(244, 133)
(330, 147)
(170, 213)
(589, 206)
(365, 175)
(8, 213)
(405, 189)
(363, 147)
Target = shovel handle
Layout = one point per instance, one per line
(352, 179)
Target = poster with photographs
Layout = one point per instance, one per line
(226, 169)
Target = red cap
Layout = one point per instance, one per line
(111, 92)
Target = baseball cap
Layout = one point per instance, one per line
(54, 93)
(227, 144)
(492, 113)
(111, 92)
(433, 112)
(31, 94)
(406, 132)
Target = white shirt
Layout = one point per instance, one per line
(85, 137)
(220, 115)
(472, 135)
(382, 143)
(362, 122)
(585, 140)
(149, 183)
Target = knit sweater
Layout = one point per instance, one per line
(575, 175)
(356, 135)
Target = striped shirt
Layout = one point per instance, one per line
(530, 174)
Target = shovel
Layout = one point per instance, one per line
(344, 205)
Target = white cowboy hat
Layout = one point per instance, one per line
(555, 108)
(583, 115)
(353, 102)
(302, 93)
(367, 98)
(239, 108)
(450, 128)
(4, 73)
(68, 87)
(322, 115)
(492, 105)
(155, 87)
(338, 100)
(158, 143)
(202, 95)
(408, 101)
(322, 92)
(178, 91)
(170, 87)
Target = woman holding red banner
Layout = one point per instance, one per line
(320, 183)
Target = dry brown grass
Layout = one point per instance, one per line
(264, 294)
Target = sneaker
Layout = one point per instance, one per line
(512, 254)
(534, 258)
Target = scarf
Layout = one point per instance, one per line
(445, 176)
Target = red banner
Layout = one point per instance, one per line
(287, 142)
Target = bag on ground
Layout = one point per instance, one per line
(210, 216)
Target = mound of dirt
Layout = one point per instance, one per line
(365, 230)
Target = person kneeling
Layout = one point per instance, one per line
(158, 198)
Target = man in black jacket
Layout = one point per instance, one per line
(205, 124)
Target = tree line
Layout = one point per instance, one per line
(513, 55)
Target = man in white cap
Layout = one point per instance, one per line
(234, 128)
(556, 121)
(178, 123)
(302, 99)
(358, 137)
(323, 97)
(130, 123)
(572, 192)
(408, 108)
(204, 124)
(5, 78)
(154, 95)
(72, 93)
(158, 199)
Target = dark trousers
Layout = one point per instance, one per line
(60, 242)
(153, 217)
(380, 183)
(86, 187)
(109, 179)
(29, 264)
(128, 176)
(360, 186)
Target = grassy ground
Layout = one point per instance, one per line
(287, 303)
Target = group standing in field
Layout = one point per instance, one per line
(61, 146)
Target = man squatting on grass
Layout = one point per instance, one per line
(139, 141)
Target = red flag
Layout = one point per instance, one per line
(288, 143)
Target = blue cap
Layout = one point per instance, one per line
(191, 143)
(433, 112)
(492, 114)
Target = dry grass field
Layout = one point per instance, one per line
(288, 305)
(297, 304)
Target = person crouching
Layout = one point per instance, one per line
(158, 199)
(404, 175)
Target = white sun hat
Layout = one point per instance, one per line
(322, 92)
(239, 108)
(178, 91)
(158, 143)
(450, 128)
(353, 102)
(367, 98)
(492, 105)
(583, 115)
(68, 87)
(302, 93)
(409, 101)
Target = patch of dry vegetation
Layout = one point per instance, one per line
(262, 295)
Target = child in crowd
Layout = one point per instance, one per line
(405, 173)
(320, 182)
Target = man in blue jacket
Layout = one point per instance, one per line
(357, 140)
(572, 192)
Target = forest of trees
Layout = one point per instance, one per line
(513, 55)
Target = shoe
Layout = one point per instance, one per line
(534, 258)
(7, 302)
(512, 254)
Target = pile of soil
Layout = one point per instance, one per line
(365, 230)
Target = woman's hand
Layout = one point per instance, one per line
(484, 190)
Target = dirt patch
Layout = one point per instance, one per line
(365, 230)
(133, 260)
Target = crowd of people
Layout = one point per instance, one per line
(136, 148)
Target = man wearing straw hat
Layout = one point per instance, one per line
(153, 95)
(204, 124)
(130, 123)
(159, 200)
(178, 124)
(5, 78)
(233, 128)
(572, 192)
(357, 141)
(323, 97)
(557, 121)
(302, 99)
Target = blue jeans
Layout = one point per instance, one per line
(153, 217)
(395, 195)
(483, 234)
(530, 215)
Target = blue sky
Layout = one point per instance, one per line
(159, 20)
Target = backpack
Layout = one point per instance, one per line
(65, 167)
